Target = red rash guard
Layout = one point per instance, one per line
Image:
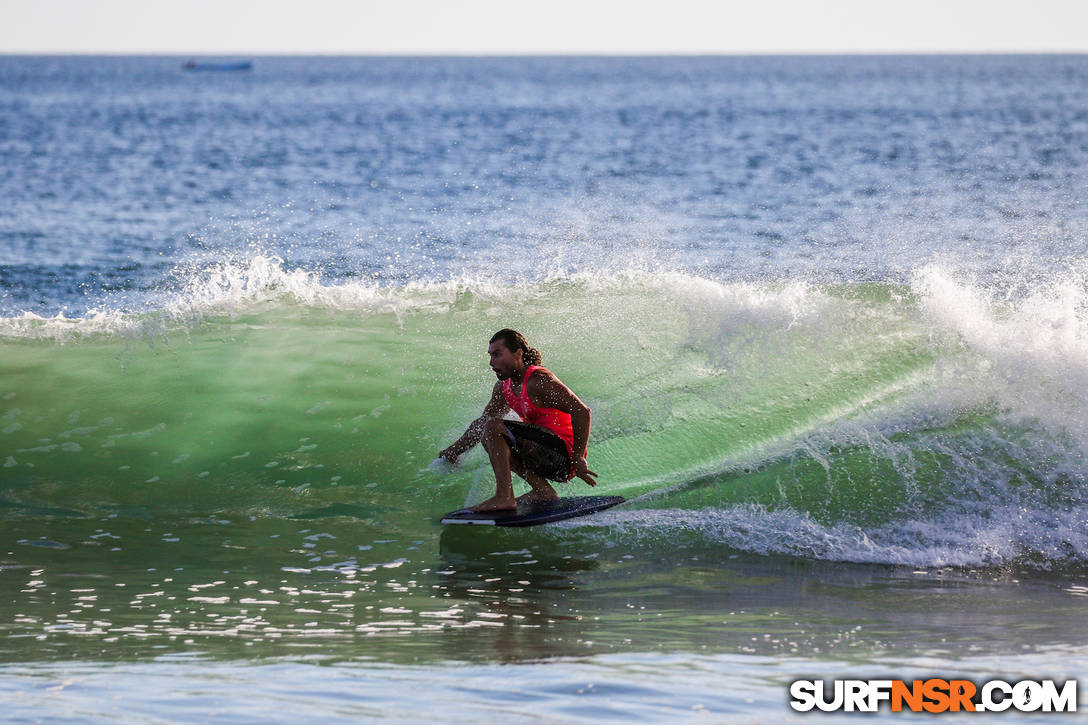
(553, 419)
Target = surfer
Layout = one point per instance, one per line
(550, 440)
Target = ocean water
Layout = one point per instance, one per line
(831, 315)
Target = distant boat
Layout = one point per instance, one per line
(240, 65)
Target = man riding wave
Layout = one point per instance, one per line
(550, 440)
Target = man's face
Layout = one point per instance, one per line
(503, 362)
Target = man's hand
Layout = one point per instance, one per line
(449, 454)
(581, 470)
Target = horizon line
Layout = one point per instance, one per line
(535, 54)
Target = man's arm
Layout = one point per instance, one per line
(495, 408)
(548, 391)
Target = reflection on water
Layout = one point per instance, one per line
(130, 589)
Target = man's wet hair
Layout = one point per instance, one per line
(515, 341)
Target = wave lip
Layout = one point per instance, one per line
(233, 288)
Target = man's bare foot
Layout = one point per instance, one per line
(536, 496)
(496, 504)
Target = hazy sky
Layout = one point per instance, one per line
(556, 26)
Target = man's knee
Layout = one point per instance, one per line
(494, 431)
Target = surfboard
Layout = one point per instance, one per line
(531, 514)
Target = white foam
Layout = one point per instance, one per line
(991, 536)
(1029, 352)
(232, 288)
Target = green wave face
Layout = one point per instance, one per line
(294, 406)
(846, 406)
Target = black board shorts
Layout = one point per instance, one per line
(541, 450)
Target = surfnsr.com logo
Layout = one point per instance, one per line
(934, 695)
